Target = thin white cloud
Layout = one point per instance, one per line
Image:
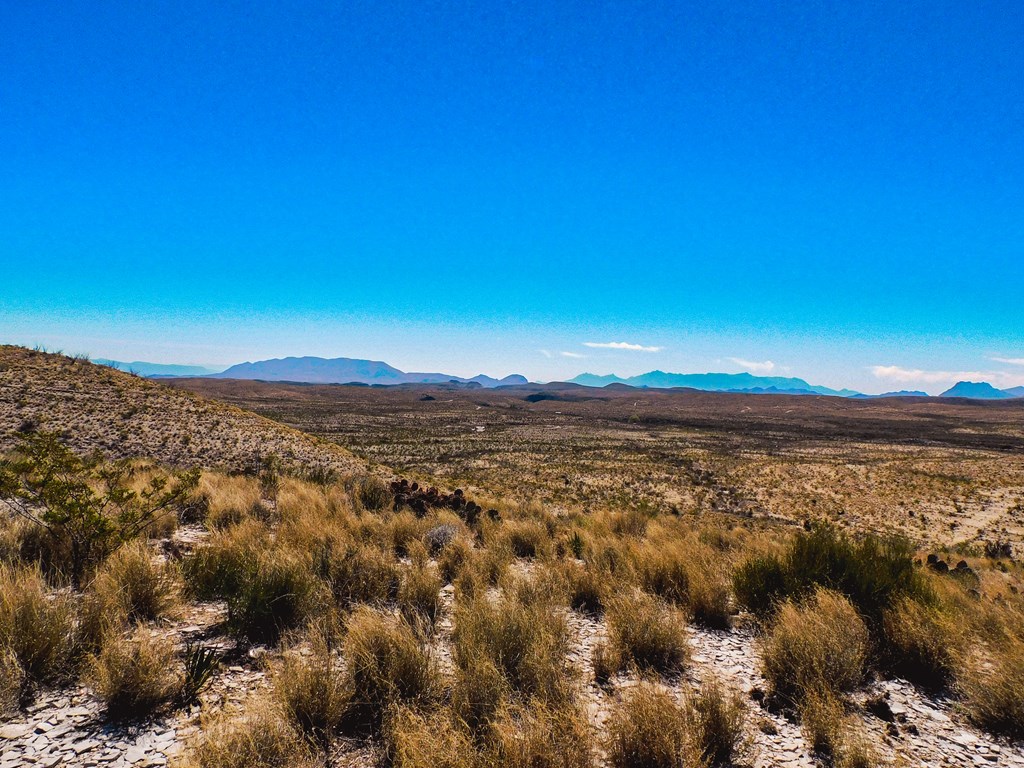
(572, 354)
(753, 366)
(620, 345)
(1008, 360)
(999, 379)
(545, 352)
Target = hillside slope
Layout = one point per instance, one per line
(126, 416)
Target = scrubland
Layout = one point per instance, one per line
(279, 614)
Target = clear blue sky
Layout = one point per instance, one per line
(827, 189)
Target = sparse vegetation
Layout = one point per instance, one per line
(330, 590)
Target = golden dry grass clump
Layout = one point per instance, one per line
(819, 645)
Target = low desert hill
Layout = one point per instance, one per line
(100, 408)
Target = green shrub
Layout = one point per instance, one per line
(873, 572)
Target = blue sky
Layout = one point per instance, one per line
(829, 190)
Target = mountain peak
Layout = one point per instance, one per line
(980, 390)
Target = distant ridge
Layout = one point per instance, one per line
(156, 369)
(979, 390)
(715, 382)
(346, 370)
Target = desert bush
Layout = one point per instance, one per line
(718, 723)
(526, 642)
(419, 597)
(310, 688)
(131, 583)
(12, 681)
(991, 684)
(539, 735)
(439, 537)
(37, 628)
(86, 504)
(259, 738)
(649, 729)
(134, 675)
(385, 666)
(818, 645)
(873, 572)
(647, 633)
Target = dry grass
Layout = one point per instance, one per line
(37, 627)
(132, 585)
(415, 740)
(539, 735)
(818, 645)
(526, 642)
(386, 665)
(649, 729)
(419, 597)
(134, 675)
(12, 681)
(718, 717)
(647, 633)
(258, 738)
(992, 684)
(310, 687)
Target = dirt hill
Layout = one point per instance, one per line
(122, 415)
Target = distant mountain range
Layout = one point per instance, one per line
(345, 370)
(153, 370)
(715, 382)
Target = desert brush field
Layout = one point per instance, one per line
(213, 573)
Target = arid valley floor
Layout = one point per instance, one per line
(624, 578)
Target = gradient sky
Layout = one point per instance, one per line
(832, 190)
